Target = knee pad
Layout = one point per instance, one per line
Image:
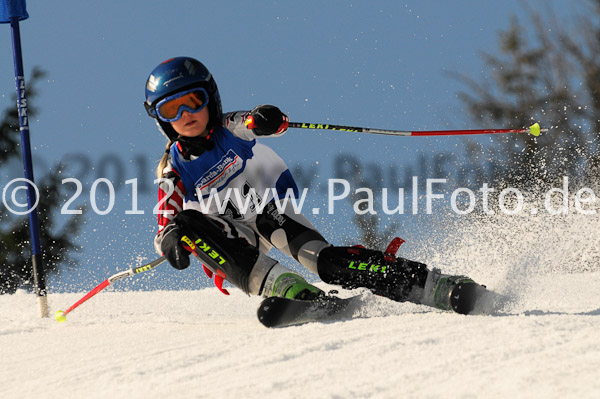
(290, 234)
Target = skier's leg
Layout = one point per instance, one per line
(383, 274)
(352, 267)
(292, 234)
(233, 249)
(397, 278)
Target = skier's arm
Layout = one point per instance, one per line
(266, 120)
(171, 193)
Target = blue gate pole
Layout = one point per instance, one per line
(13, 11)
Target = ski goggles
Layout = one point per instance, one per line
(170, 109)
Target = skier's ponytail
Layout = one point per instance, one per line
(162, 164)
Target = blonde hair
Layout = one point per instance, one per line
(162, 164)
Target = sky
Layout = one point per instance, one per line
(383, 64)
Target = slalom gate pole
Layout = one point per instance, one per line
(534, 130)
(13, 11)
(61, 316)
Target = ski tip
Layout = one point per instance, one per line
(535, 130)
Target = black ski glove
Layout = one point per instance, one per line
(266, 120)
(183, 224)
(170, 245)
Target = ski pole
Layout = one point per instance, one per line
(533, 130)
(61, 316)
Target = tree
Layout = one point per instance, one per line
(549, 72)
(15, 251)
(546, 69)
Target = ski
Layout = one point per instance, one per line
(283, 312)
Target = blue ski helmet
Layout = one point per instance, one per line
(179, 74)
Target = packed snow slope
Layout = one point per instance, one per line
(201, 344)
(545, 343)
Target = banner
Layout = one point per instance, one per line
(10, 9)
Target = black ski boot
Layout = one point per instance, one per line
(446, 292)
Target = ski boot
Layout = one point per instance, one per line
(282, 282)
(446, 292)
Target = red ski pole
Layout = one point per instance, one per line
(61, 316)
(534, 130)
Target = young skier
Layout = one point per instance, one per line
(211, 152)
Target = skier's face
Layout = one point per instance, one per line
(192, 125)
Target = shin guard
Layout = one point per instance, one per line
(383, 274)
(216, 242)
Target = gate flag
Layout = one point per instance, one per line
(12, 9)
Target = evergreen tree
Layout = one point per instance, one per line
(15, 247)
(547, 69)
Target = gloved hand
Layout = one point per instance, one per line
(170, 245)
(266, 120)
(183, 224)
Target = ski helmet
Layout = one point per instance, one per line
(178, 74)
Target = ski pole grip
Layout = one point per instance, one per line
(249, 122)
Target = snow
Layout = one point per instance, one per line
(201, 344)
(545, 343)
